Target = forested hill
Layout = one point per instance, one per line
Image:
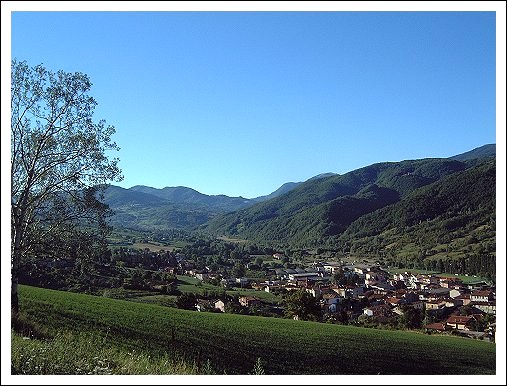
(432, 209)
(324, 207)
(451, 220)
(485, 151)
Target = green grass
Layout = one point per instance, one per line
(162, 300)
(465, 279)
(192, 285)
(70, 353)
(262, 295)
(414, 271)
(233, 343)
(470, 279)
(195, 286)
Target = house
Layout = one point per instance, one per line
(459, 322)
(332, 268)
(272, 287)
(438, 292)
(248, 301)
(435, 304)
(411, 297)
(463, 299)
(330, 302)
(220, 305)
(449, 282)
(427, 279)
(258, 286)
(449, 303)
(374, 299)
(277, 256)
(435, 327)
(313, 291)
(303, 276)
(201, 276)
(481, 296)
(349, 291)
(361, 269)
(372, 277)
(382, 310)
(242, 281)
(227, 282)
(171, 270)
(394, 301)
(488, 308)
(203, 305)
(381, 288)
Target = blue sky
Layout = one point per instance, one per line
(239, 103)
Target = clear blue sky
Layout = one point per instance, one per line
(238, 103)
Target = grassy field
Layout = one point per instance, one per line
(195, 286)
(232, 240)
(470, 279)
(233, 343)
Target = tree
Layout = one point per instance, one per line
(412, 317)
(187, 301)
(302, 305)
(58, 160)
(238, 270)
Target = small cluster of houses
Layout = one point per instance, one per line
(377, 294)
(219, 304)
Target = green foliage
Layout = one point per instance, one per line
(448, 225)
(234, 342)
(70, 353)
(412, 317)
(303, 306)
(59, 161)
(322, 208)
(258, 368)
(186, 301)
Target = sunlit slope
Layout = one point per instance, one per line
(233, 343)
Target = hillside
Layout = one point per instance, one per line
(233, 343)
(479, 152)
(451, 218)
(146, 208)
(323, 207)
(144, 211)
(285, 188)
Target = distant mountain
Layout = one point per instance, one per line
(184, 195)
(322, 175)
(288, 186)
(145, 211)
(285, 188)
(320, 211)
(116, 196)
(479, 152)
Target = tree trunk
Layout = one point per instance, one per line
(15, 262)
(16, 252)
(14, 296)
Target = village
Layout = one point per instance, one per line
(369, 295)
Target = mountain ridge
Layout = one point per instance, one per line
(182, 207)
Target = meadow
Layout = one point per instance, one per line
(190, 341)
(190, 284)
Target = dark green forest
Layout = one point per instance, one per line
(430, 213)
